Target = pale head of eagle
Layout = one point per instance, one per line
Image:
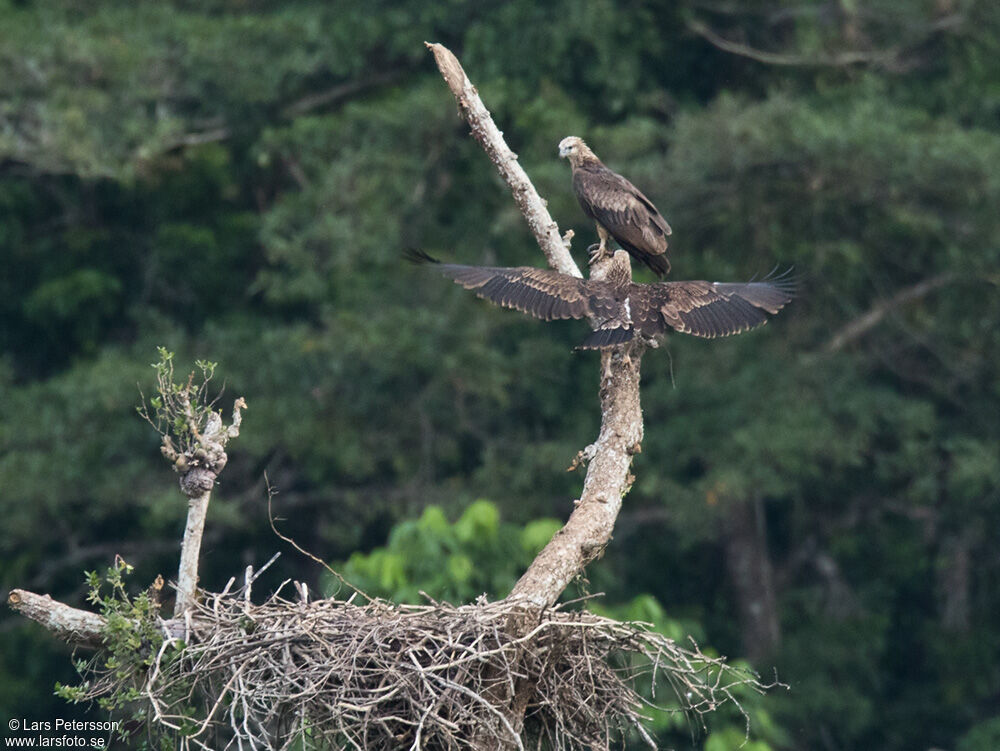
(574, 149)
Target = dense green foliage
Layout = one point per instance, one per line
(236, 181)
(455, 562)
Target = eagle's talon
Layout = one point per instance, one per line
(597, 251)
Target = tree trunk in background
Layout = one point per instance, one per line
(749, 568)
(954, 575)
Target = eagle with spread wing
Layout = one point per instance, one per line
(618, 207)
(617, 307)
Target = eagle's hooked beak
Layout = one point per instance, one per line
(564, 150)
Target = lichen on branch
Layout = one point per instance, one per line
(193, 435)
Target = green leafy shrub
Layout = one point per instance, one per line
(477, 554)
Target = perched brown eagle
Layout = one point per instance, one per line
(618, 207)
(617, 307)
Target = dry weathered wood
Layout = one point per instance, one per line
(380, 676)
(78, 627)
(589, 527)
(187, 572)
(485, 131)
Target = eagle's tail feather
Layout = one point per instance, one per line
(606, 338)
(658, 263)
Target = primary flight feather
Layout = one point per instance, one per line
(617, 307)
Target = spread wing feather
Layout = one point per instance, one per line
(705, 309)
(606, 338)
(711, 309)
(541, 293)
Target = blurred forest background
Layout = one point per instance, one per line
(236, 179)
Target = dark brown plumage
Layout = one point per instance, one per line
(617, 307)
(618, 207)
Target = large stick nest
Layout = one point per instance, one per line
(379, 676)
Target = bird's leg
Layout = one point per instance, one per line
(602, 249)
(606, 357)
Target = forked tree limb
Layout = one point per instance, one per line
(590, 525)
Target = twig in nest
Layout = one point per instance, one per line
(270, 518)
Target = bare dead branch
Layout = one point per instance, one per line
(338, 93)
(187, 571)
(840, 59)
(890, 58)
(589, 527)
(312, 556)
(78, 627)
(485, 131)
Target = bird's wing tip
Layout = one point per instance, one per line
(786, 281)
(415, 255)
